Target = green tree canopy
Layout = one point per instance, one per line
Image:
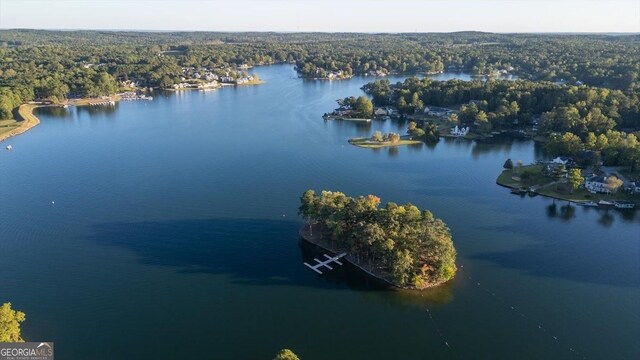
(413, 246)
(286, 354)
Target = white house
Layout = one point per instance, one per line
(596, 184)
(380, 112)
(456, 131)
(561, 160)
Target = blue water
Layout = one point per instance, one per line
(168, 229)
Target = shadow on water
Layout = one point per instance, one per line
(252, 252)
(355, 279)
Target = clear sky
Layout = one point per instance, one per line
(326, 16)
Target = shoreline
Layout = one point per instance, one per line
(366, 143)
(29, 121)
(314, 240)
(569, 197)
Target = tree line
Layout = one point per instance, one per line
(405, 244)
(37, 64)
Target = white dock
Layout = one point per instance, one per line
(325, 263)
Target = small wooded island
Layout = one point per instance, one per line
(399, 244)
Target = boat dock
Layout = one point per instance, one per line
(325, 263)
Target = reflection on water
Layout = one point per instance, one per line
(163, 204)
(606, 216)
(109, 110)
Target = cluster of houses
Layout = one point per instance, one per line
(229, 77)
(333, 75)
(386, 112)
(378, 73)
(595, 183)
(129, 84)
(205, 79)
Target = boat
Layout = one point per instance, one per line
(621, 204)
(9, 147)
(519, 191)
(588, 203)
(605, 203)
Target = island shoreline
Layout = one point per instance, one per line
(305, 235)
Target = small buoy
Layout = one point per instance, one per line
(283, 215)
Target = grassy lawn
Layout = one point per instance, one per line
(25, 121)
(7, 126)
(511, 178)
(368, 143)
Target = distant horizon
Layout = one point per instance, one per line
(336, 32)
(331, 16)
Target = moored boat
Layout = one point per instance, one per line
(621, 204)
(605, 203)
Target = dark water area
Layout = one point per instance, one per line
(168, 229)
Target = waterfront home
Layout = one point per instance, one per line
(562, 160)
(596, 184)
(456, 131)
(437, 111)
(555, 169)
(380, 112)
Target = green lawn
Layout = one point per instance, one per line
(8, 125)
(511, 178)
(368, 143)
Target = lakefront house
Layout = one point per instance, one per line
(596, 184)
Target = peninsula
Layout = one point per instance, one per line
(399, 244)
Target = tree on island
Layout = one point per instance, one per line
(10, 323)
(286, 354)
(411, 246)
(391, 137)
(508, 164)
(377, 136)
(575, 179)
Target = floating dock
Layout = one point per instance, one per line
(325, 263)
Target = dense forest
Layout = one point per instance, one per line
(573, 117)
(411, 246)
(38, 64)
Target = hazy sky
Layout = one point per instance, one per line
(329, 16)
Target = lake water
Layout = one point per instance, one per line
(168, 229)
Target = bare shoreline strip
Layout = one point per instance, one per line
(29, 120)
